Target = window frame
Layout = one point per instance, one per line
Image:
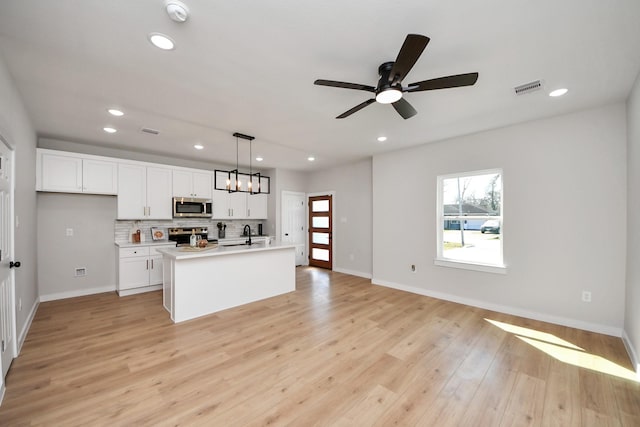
(443, 261)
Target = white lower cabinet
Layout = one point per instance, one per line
(139, 269)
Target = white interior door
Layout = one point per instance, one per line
(7, 312)
(293, 223)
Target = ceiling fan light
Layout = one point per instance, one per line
(388, 96)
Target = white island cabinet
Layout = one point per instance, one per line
(199, 283)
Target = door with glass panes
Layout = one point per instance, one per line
(320, 231)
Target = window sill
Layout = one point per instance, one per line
(466, 265)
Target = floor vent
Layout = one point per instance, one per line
(528, 87)
(151, 131)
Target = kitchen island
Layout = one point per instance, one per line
(200, 282)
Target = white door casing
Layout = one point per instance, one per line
(293, 223)
(7, 291)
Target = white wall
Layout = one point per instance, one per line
(352, 241)
(92, 219)
(632, 311)
(16, 128)
(564, 226)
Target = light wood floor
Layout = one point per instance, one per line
(337, 351)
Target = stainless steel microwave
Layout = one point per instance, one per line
(190, 207)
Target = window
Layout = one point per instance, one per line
(470, 219)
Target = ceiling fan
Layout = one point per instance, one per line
(389, 89)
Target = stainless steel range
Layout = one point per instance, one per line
(180, 235)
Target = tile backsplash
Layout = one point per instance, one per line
(123, 229)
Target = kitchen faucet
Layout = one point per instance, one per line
(248, 242)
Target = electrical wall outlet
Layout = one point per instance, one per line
(69, 232)
(80, 271)
(586, 296)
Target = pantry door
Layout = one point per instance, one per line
(321, 231)
(7, 313)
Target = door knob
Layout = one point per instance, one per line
(14, 264)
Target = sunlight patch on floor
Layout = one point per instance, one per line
(566, 352)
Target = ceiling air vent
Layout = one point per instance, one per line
(528, 87)
(151, 131)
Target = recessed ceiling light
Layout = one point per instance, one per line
(115, 112)
(161, 41)
(198, 146)
(109, 130)
(558, 92)
(311, 158)
(259, 159)
(382, 138)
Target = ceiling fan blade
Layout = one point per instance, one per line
(356, 108)
(410, 51)
(344, 85)
(458, 80)
(404, 108)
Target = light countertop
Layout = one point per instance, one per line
(189, 253)
(151, 243)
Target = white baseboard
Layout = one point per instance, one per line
(142, 290)
(76, 293)
(572, 323)
(632, 353)
(353, 272)
(27, 325)
(2, 389)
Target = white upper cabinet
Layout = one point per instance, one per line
(192, 184)
(257, 206)
(99, 176)
(71, 173)
(144, 192)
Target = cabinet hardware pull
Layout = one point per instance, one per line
(152, 264)
(147, 264)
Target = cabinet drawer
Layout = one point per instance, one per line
(134, 252)
(153, 250)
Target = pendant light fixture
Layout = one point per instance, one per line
(233, 182)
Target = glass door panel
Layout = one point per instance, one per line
(320, 206)
(320, 238)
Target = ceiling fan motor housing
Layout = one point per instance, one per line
(386, 84)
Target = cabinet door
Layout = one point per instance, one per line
(238, 201)
(61, 173)
(99, 177)
(182, 184)
(155, 270)
(257, 206)
(132, 191)
(133, 272)
(220, 200)
(202, 185)
(159, 191)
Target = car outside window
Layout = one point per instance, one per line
(470, 219)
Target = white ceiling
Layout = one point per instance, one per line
(249, 66)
